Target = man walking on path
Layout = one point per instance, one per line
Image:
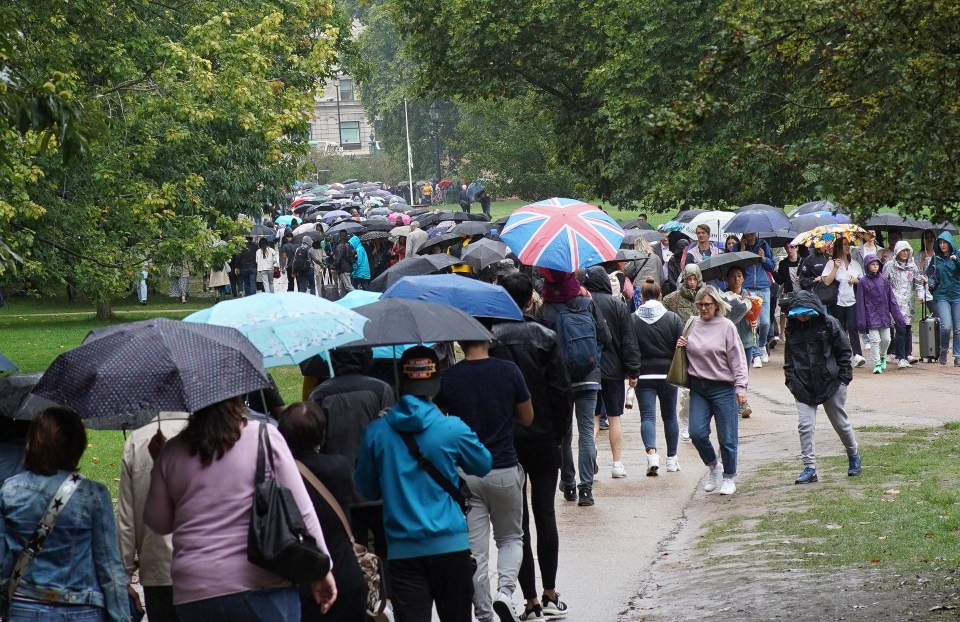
(344, 256)
(417, 238)
(491, 397)
(818, 369)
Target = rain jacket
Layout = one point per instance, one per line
(817, 356)
(656, 331)
(623, 357)
(756, 276)
(811, 268)
(876, 301)
(681, 301)
(944, 273)
(361, 267)
(419, 517)
(905, 278)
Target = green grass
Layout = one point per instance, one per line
(902, 512)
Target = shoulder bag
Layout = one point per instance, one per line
(460, 493)
(678, 374)
(374, 573)
(41, 533)
(278, 539)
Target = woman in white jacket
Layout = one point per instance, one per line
(907, 281)
(266, 261)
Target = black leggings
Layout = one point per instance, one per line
(541, 462)
(847, 316)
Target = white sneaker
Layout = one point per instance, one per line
(728, 487)
(684, 434)
(757, 362)
(673, 464)
(653, 465)
(503, 607)
(714, 477)
(859, 361)
(764, 357)
(903, 364)
(618, 471)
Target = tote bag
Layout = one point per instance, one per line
(678, 374)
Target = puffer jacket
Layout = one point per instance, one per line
(906, 280)
(944, 273)
(817, 357)
(534, 349)
(623, 357)
(876, 302)
(681, 301)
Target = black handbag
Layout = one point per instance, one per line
(278, 540)
(826, 293)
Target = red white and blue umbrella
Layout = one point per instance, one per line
(562, 234)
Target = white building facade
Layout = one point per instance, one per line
(340, 123)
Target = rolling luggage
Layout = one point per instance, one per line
(330, 286)
(929, 336)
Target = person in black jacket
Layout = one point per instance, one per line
(811, 268)
(818, 367)
(621, 361)
(656, 330)
(351, 400)
(535, 351)
(244, 266)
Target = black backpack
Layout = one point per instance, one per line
(301, 261)
(576, 331)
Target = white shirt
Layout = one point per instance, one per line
(846, 295)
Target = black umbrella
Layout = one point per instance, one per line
(814, 206)
(260, 230)
(893, 222)
(632, 235)
(472, 227)
(123, 375)
(316, 236)
(370, 236)
(395, 321)
(716, 266)
(16, 401)
(349, 226)
(428, 220)
(687, 215)
(459, 216)
(780, 237)
(482, 253)
(474, 189)
(758, 206)
(638, 224)
(442, 241)
(378, 225)
(412, 266)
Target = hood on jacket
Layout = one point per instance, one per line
(946, 237)
(598, 281)
(903, 245)
(412, 414)
(351, 360)
(651, 311)
(806, 298)
(355, 242)
(869, 259)
(693, 269)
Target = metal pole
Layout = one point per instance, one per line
(436, 147)
(406, 121)
(339, 123)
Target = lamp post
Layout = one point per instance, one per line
(435, 117)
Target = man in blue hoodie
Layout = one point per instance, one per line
(429, 550)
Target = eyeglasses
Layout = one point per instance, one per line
(705, 305)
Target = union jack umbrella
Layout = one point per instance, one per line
(562, 234)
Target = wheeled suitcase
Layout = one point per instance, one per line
(929, 336)
(330, 286)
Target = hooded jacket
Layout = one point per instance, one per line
(756, 277)
(811, 268)
(419, 517)
(656, 331)
(548, 317)
(681, 301)
(905, 279)
(944, 273)
(534, 349)
(876, 301)
(817, 357)
(361, 267)
(623, 357)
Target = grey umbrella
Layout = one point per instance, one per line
(472, 227)
(122, 375)
(482, 253)
(16, 401)
(716, 266)
(396, 321)
(350, 226)
(412, 266)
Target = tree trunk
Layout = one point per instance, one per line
(105, 310)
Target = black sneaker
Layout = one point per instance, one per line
(586, 496)
(569, 492)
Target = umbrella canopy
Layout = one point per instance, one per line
(123, 375)
(399, 321)
(717, 221)
(442, 241)
(16, 401)
(893, 222)
(780, 237)
(688, 215)
(474, 189)
(331, 216)
(400, 232)
(381, 193)
(398, 218)
(754, 220)
(482, 253)
(348, 226)
(631, 236)
(412, 266)
(314, 235)
(285, 220)
(716, 266)
(380, 211)
(758, 206)
(473, 297)
(638, 224)
(370, 236)
(814, 206)
(806, 222)
(259, 231)
(472, 227)
(288, 327)
(821, 236)
(562, 234)
(6, 364)
(306, 228)
(378, 225)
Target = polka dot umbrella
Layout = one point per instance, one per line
(121, 376)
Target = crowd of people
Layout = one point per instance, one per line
(431, 461)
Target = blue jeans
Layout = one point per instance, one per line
(763, 328)
(276, 605)
(585, 404)
(949, 314)
(718, 401)
(647, 393)
(248, 277)
(48, 612)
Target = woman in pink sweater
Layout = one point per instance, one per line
(201, 491)
(718, 386)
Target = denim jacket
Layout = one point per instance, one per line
(80, 560)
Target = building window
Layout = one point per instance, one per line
(350, 134)
(346, 90)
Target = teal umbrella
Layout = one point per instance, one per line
(288, 327)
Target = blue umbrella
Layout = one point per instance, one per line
(752, 221)
(331, 217)
(288, 327)
(806, 222)
(6, 364)
(473, 297)
(285, 220)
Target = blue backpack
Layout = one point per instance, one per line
(577, 334)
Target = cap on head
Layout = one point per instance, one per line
(420, 372)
